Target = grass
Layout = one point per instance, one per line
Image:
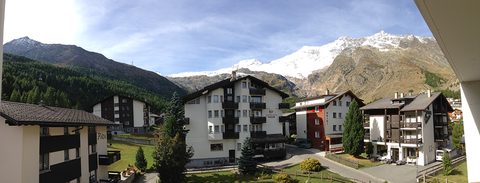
(458, 174)
(128, 152)
(363, 161)
(148, 136)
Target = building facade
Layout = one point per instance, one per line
(69, 145)
(400, 126)
(321, 118)
(132, 115)
(220, 116)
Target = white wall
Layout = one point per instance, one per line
(30, 155)
(102, 172)
(330, 121)
(137, 113)
(471, 122)
(272, 99)
(301, 124)
(377, 125)
(429, 145)
(97, 110)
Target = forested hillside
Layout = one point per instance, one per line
(29, 81)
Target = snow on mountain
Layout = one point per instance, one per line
(310, 58)
(25, 41)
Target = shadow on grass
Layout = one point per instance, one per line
(456, 172)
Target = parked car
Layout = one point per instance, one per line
(304, 143)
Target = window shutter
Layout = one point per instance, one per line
(321, 121)
(314, 134)
(320, 134)
(313, 110)
(313, 121)
(320, 110)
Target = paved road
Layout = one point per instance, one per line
(397, 174)
(147, 178)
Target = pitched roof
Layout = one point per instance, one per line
(419, 102)
(335, 96)
(29, 114)
(384, 103)
(106, 98)
(227, 82)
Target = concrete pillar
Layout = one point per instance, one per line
(2, 17)
(471, 125)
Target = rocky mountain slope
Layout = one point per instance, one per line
(92, 64)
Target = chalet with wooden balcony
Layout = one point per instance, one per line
(320, 118)
(69, 145)
(400, 126)
(223, 114)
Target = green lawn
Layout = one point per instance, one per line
(148, 136)
(363, 161)
(458, 174)
(128, 152)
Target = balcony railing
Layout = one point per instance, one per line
(230, 120)
(257, 91)
(254, 105)
(230, 105)
(186, 121)
(412, 141)
(411, 125)
(366, 137)
(113, 177)
(283, 106)
(258, 120)
(283, 119)
(111, 157)
(274, 152)
(258, 134)
(366, 124)
(231, 135)
(441, 137)
(441, 123)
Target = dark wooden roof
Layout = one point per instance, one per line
(29, 114)
(228, 82)
(419, 102)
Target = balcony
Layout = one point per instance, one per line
(412, 141)
(411, 125)
(441, 137)
(110, 158)
(283, 119)
(257, 91)
(283, 106)
(436, 123)
(186, 121)
(113, 177)
(231, 135)
(230, 105)
(258, 134)
(258, 120)
(366, 125)
(366, 137)
(230, 120)
(254, 105)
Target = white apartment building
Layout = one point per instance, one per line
(132, 115)
(400, 126)
(69, 145)
(222, 115)
(320, 118)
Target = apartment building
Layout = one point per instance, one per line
(132, 115)
(399, 126)
(455, 115)
(320, 118)
(42, 144)
(220, 117)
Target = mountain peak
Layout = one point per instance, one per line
(26, 41)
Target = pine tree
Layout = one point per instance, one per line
(140, 161)
(49, 97)
(447, 163)
(30, 97)
(15, 97)
(36, 95)
(246, 163)
(353, 133)
(457, 134)
(174, 115)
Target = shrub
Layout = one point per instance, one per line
(311, 164)
(447, 164)
(284, 178)
(372, 160)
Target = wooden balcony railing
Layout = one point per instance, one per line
(258, 120)
(230, 105)
(412, 141)
(110, 158)
(410, 125)
(257, 91)
(283, 119)
(255, 105)
(230, 120)
(231, 135)
(283, 106)
(258, 134)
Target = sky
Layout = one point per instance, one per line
(173, 36)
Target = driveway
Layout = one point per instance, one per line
(397, 174)
(147, 178)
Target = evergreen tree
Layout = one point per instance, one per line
(140, 161)
(15, 97)
(49, 96)
(30, 97)
(353, 133)
(174, 116)
(457, 134)
(171, 156)
(447, 163)
(246, 163)
(36, 95)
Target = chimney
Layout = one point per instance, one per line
(429, 92)
(401, 95)
(410, 94)
(396, 94)
(234, 76)
(41, 103)
(327, 92)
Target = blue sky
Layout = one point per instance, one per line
(173, 36)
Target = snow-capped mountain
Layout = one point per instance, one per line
(310, 58)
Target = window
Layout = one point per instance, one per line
(124, 100)
(65, 153)
(91, 129)
(117, 112)
(317, 134)
(207, 163)
(210, 129)
(135, 130)
(221, 98)
(229, 98)
(229, 91)
(245, 128)
(250, 127)
(339, 103)
(256, 99)
(209, 114)
(93, 148)
(334, 115)
(195, 101)
(215, 98)
(244, 98)
(77, 152)
(317, 121)
(316, 109)
(339, 127)
(244, 113)
(44, 131)
(347, 104)
(65, 130)
(239, 146)
(244, 84)
(128, 114)
(217, 129)
(44, 161)
(238, 113)
(216, 147)
(223, 128)
(128, 108)
(127, 122)
(334, 127)
(334, 103)
(215, 113)
(123, 108)
(238, 98)
(239, 128)
(93, 176)
(340, 115)
(209, 99)
(222, 113)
